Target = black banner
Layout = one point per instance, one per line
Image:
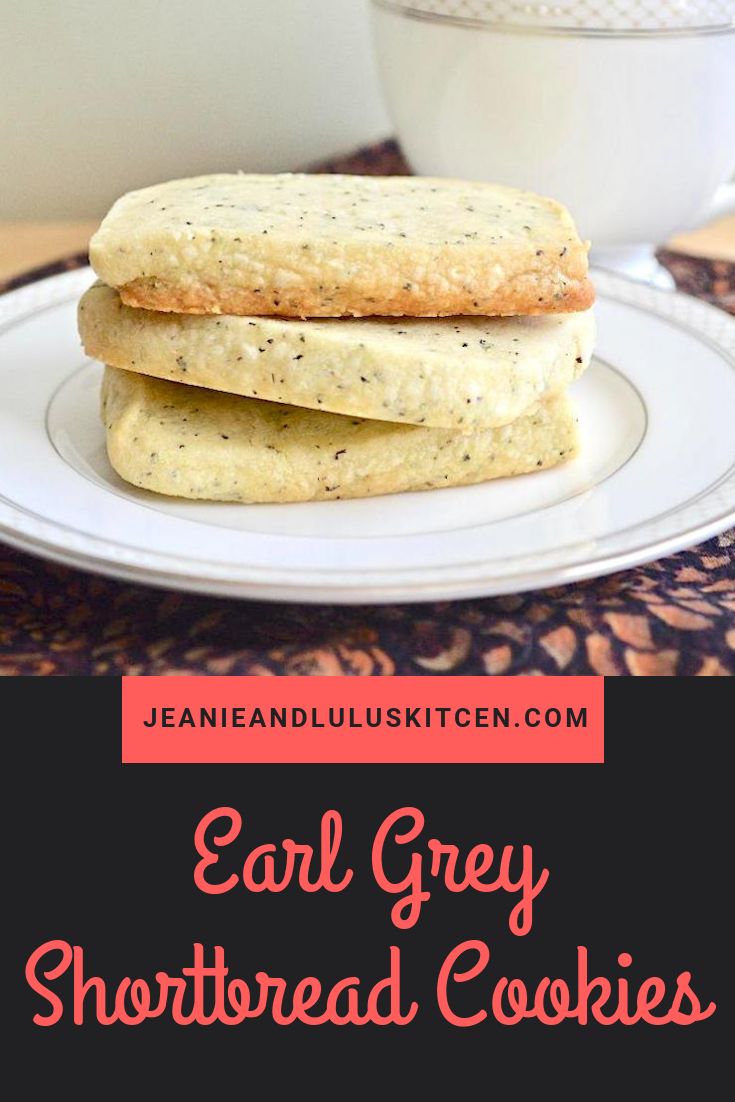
(102, 856)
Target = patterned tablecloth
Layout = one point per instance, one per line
(675, 616)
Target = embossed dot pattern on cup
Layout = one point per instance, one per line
(617, 15)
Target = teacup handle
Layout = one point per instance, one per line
(723, 203)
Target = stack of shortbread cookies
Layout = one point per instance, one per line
(302, 337)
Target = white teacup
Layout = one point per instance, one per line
(630, 121)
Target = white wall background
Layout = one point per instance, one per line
(100, 96)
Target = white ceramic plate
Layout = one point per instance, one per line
(656, 473)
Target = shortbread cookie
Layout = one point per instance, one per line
(331, 246)
(465, 373)
(194, 443)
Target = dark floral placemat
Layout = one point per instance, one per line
(675, 616)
